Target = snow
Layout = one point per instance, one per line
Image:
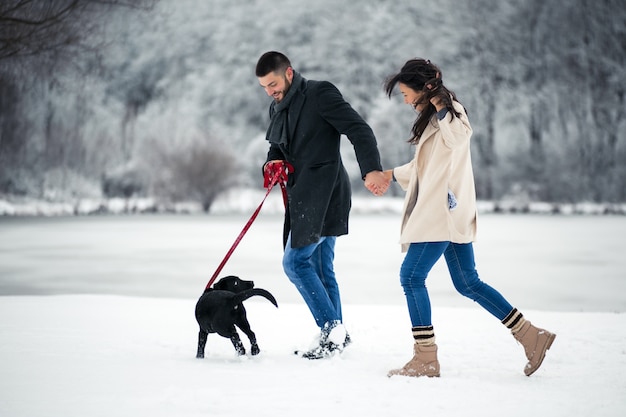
(97, 320)
(245, 200)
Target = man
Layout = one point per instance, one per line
(307, 121)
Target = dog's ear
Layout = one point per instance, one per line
(228, 283)
(219, 284)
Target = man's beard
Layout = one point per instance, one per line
(284, 92)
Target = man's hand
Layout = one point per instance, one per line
(276, 166)
(377, 182)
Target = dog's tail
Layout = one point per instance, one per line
(244, 295)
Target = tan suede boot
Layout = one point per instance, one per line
(423, 363)
(536, 342)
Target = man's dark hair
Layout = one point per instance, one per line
(271, 62)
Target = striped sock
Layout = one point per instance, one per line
(514, 321)
(424, 335)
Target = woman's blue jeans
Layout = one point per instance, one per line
(311, 270)
(418, 262)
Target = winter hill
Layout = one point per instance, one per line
(110, 109)
(160, 103)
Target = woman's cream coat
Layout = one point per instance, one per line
(442, 162)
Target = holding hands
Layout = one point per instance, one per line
(377, 182)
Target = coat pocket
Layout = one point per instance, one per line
(321, 164)
(452, 203)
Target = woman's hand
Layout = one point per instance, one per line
(438, 95)
(376, 182)
(438, 101)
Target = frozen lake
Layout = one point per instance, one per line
(541, 262)
(122, 341)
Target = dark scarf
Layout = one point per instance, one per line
(277, 132)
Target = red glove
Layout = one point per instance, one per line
(273, 168)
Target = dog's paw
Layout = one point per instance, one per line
(200, 356)
(254, 349)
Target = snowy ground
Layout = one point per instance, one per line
(96, 319)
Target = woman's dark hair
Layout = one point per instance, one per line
(422, 75)
(271, 61)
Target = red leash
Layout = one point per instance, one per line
(278, 177)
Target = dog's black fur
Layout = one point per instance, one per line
(221, 308)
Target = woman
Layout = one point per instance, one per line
(439, 218)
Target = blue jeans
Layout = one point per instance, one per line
(311, 270)
(418, 262)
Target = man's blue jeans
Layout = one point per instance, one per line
(418, 262)
(311, 270)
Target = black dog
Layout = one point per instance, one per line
(221, 308)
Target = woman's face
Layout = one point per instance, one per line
(412, 97)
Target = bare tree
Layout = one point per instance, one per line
(41, 44)
(481, 60)
(198, 171)
(596, 56)
(33, 27)
(574, 60)
(557, 70)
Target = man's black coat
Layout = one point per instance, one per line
(319, 188)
